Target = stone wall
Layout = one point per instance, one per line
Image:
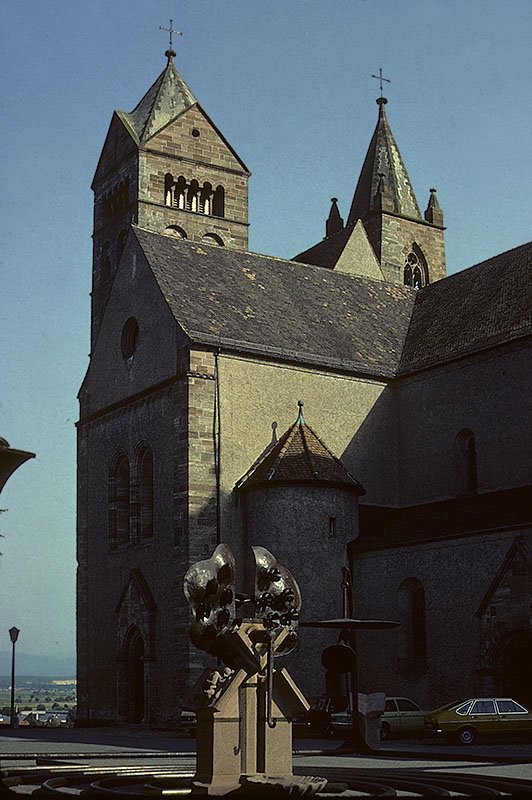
(353, 416)
(455, 575)
(487, 395)
(203, 157)
(392, 238)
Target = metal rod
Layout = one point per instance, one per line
(269, 685)
(12, 717)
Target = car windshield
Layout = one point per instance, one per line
(447, 707)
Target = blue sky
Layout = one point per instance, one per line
(289, 84)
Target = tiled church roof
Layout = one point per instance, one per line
(258, 304)
(300, 456)
(469, 311)
(296, 312)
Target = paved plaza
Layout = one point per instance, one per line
(163, 753)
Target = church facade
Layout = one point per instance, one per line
(409, 460)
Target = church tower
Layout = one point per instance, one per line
(166, 167)
(385, 235)
(410, 249)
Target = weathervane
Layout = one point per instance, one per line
(170, 30)
(379, 77)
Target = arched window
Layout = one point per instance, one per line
(169, 189)
(181, 193)
(419, 633)
(145, 493)
(119, 502)
(218, 205)
(467, 462)
(415, 272)
(120, 244)
(190, 196)
(105, 264)
(206, 198)
(175, 230)
(193, 196)
(212, 238)
(413, 649)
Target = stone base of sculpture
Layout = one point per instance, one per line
(244, 710)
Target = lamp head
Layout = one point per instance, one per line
(13, 634)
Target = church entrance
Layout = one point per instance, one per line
(515, 668)
(135, 677)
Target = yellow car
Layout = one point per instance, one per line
(479, 716)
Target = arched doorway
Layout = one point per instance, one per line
(135, 677)
(516, 659)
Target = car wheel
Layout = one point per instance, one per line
(467, 735)
(385, 731)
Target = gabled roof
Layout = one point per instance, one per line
(470, 311)
(518, 560)
(348, 250)
(279, 309)
(327, 252)
(383, 158)
(300, 456)
(252, 304)
(165, 100)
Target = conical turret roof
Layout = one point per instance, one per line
(300, 456)
(383, 167)
(165, 100)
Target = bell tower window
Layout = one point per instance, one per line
(191, 196)
(415, 271)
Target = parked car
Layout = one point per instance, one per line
(401, 717)
(479, 716)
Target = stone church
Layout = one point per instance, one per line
(409, 460)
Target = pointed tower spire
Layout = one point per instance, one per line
(383, 159)
(433, 213)
(165, 100)
(334, 222)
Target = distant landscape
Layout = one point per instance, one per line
(29, 664)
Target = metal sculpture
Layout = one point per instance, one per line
(244, 737)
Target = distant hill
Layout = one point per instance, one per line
(31, 664)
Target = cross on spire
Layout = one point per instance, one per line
(170, 30)
(380, 78)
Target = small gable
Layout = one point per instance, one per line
(358, 256)
(512, 583)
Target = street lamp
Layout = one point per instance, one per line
(13, 635)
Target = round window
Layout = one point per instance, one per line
(195, 133)
(130, 335)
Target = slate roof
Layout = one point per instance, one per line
(298, 312)
(264, 305)
(165, 100)
(384, 527)
(383, 156)
(300, 456)
(470, 311)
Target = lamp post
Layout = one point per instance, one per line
(13, 635)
